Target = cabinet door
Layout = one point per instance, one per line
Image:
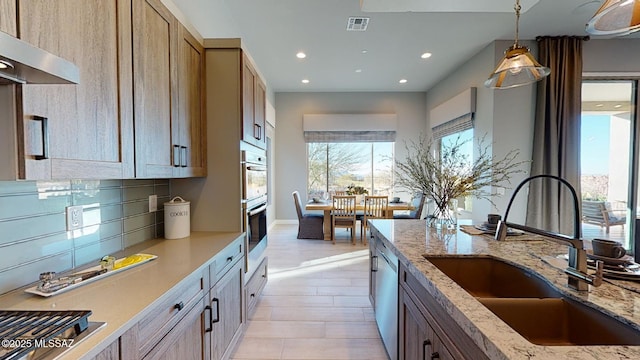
(226, 302)
(155, 89)
(111, 352)
(248, 99)
(416, 337)
(187, 340)
(259, 114)
(373, 269)
(90, 129)
(189, 130)
(8, 15)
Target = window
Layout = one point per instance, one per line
(464, 137)
(334, 166)
(607, 159)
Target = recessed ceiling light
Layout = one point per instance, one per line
(305, 81)
(403, 81)
(301, 55)
(599, 105)
(364, 51)
(426, 55)
(358, 70)
(617, 106)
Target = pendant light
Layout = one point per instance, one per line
(616, 17)
(518, 67)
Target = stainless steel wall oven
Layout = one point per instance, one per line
(254, 201)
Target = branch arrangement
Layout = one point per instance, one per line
(449, 174)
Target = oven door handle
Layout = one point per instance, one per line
(256, 167)
(257, 210)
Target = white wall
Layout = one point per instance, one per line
(291, 150)
(505, 117)
(611, 56)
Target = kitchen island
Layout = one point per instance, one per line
(409, 240)
(146, 297)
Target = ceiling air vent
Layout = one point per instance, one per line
(357, 23)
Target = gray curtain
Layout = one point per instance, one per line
(556, 140)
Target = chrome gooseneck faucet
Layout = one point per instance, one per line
(578, 277)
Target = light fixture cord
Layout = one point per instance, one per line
(517, 8)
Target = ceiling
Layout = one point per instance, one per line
(273, 31)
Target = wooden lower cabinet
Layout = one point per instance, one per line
(426, 331)
(111, 352)
(418, 340)
(255, 285)
(176, 328)
(187, 340)
(373, 258)
(227, 305)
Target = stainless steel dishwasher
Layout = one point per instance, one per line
(386, 298)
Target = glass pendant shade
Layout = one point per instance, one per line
(518, 67)
(615, 17)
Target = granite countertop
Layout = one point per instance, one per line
(410, 239)
(122, 299)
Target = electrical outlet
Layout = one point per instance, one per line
(500, 190)
(153, 203)
(74, 217)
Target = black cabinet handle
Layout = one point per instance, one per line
(435, 355)
(217, 319)
(183, 156)
(252, 295)
(179, 306)
(229, 258)
(257, 131)
(44, 128)
(176, 155)
(424, 348)
(208, 308)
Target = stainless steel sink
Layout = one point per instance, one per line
(490, 277)
(531, 306)
(561, 322)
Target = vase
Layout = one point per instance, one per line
(359, 198)
(445, 215)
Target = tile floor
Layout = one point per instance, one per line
(315, 304)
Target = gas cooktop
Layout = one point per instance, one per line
(43, 334)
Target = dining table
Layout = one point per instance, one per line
(327, 206)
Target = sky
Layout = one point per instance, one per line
(595, 144)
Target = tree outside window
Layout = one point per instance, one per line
(334, 166)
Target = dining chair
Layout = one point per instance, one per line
(375, 207)
(343, 215)
(417, 202)
(309, 225)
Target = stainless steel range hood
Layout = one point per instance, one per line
(23, 63)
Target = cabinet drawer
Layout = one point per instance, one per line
(225, 260)
(255, 285)
(166, 314)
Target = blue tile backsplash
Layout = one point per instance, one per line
(33, 235)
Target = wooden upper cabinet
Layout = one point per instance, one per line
(189, 130)
(253, 105)
(89, 124)
(248, 94)
(8, 16)
(259, 113)
(155, 43)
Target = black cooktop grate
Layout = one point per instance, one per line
(37, 327)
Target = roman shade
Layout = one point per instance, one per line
(340, 128)
(454, 115)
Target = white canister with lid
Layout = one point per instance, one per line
(177, 218)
